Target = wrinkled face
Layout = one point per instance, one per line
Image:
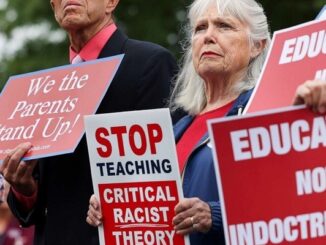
(76, 14)
(220, 45)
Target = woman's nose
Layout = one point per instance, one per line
(210, 35)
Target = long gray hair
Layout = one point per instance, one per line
(189, 91)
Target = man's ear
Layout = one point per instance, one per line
(53, 9)
(257, 48)
(111, 5)
(52, 4)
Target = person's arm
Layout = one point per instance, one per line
(217, 223)
(27, 202)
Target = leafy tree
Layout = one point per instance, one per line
(152, 20)
(36, 53)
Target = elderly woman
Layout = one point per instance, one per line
(227, 45)
(228, 42)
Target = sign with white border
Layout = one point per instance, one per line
(297, 54)
(135, 176)
(47, 107)
(271, 175)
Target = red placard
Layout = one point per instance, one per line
(271, 172)
(47, 107)
(296, 55)
(139, 213)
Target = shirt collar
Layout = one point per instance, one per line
(94, 46)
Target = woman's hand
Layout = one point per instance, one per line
(192, 215)
(313, 95)
(94, 214)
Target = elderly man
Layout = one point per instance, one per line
(53, 193)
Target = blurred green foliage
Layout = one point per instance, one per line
(157, 21)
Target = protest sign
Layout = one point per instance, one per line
(322, 14)
(296, 55)
(271, 174)
(135, 176)
(47, 107)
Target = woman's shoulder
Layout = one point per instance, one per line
(182, 125)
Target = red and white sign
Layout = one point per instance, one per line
(135, 176)
(47, 107)
(322, 14)
(271, 173)
(296, 55)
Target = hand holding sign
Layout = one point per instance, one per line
(94, 214)
(192, 215)
(19, 173)
(313, 95)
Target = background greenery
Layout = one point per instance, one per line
(152, 20)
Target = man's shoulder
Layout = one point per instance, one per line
(144, 44)
(145, 47)
(120, 43)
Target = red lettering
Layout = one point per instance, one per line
(143, 145)
(155, 135)
(100, 135)
(119, 131)
(138, 139)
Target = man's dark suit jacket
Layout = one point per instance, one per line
(65, 185)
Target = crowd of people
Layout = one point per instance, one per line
(227, 44)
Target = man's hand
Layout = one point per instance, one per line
(19, 173)
(94, 214)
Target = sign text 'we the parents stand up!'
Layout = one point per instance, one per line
(46, 108)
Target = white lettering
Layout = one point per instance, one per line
(238, 151)
(297, 49)
(277, 230)
(311, 181)
(278, 139)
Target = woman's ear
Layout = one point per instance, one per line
(257, 48)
